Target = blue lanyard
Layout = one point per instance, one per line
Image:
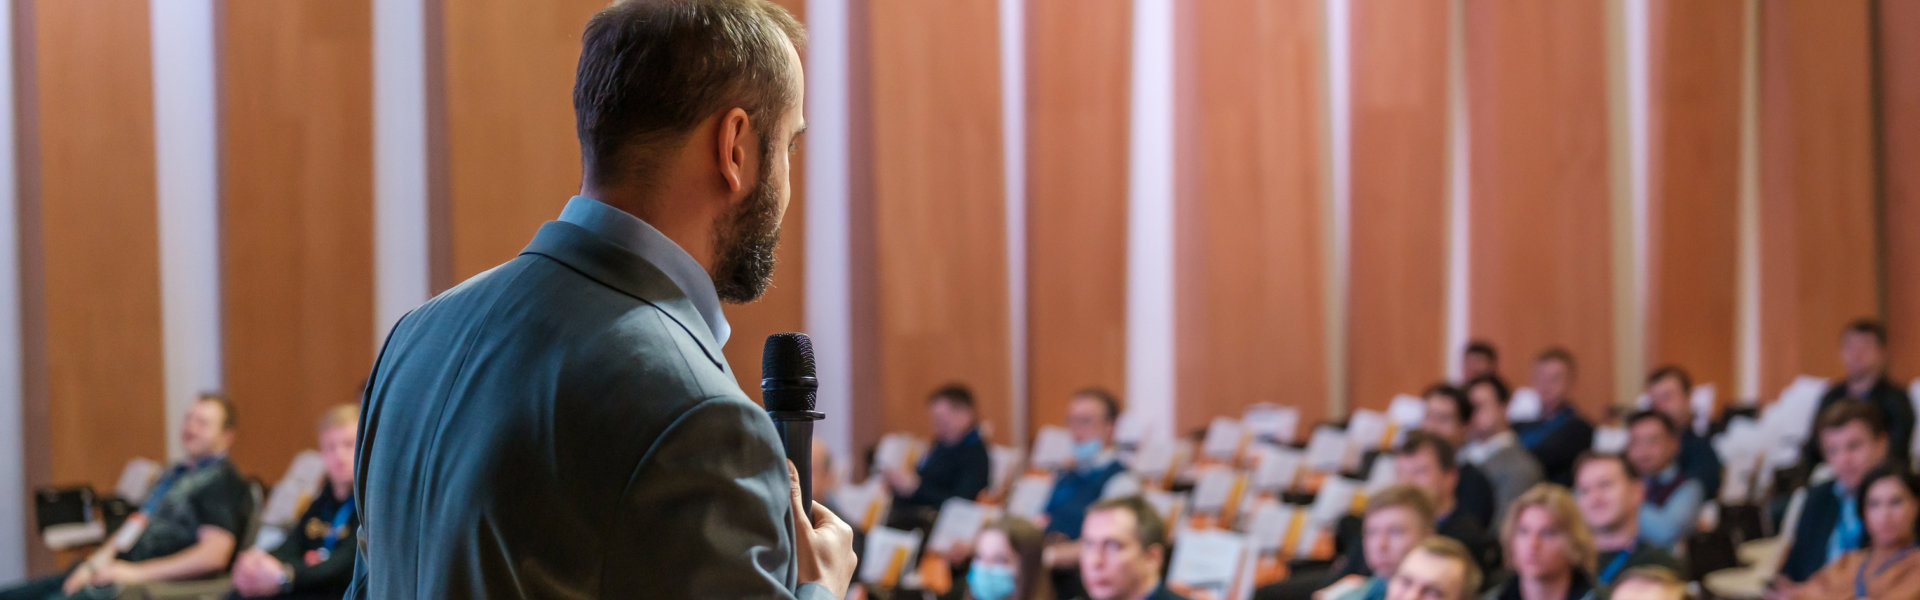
(1538, 433)
(1613, 568)
(1860, 575)
(340, 517)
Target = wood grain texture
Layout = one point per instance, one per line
(937, 206)
(1694, 186)
(1249, 220)
(1396, 334)
(1540, 265)
(1899, 102)
(99, 237)
(1078, 74)
(1818, 220)
(296, 273)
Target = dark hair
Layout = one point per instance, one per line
(1458, 396)
(1869, 326)
(1898, 473)
(1666, 422)
(1034, 581)
(1674, 371)
(1851, 410)
(1500, 389)
(1483, 348)
(1107, 401)
(227, 416)
(1590, 457)
(652, 70)
(1147, 528)
(1423, 440)
(957, 394)
(1557, 353)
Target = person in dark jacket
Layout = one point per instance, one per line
(1853, 435)
(1863, 351)
(1560, 435)
(956, 466)
(316, 559)
(1670, 392)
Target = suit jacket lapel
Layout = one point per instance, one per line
(615, 267)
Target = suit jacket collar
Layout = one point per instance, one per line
(621, 269)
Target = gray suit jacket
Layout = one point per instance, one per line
(564, 426)
(1513, 471)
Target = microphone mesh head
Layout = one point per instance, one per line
(786, 361)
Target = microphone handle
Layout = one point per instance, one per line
(796, 438)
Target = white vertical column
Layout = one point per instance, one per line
(13, 460)
(1459, 188)
(829, 290)
(1746, 365)
(1629, 161)
(1151, 365)
(186, 106)
(400, 166)
(1339, 196)
(1013, 111)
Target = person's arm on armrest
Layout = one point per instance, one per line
(205, 557)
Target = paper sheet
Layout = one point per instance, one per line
(1525, 406)
(1326, 449)
(1268, 523)
(863, 505)
(1028, 498)
(1610, 440)
(1171, 506)
(1121, 486)
(1702, 403)
(1275, 467)
(1052, 448)
(890, 554)
(1152, 459)
(1335, 500)
(898, 452)
(1223, 439)
(137, 479)
(1004, 463)
(1214, 488)
(1216, 561)
(1130, 430)
(1279, 424)
(959, 521)
(1382, 474)
(1407, 411)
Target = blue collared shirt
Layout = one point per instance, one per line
(638, 237)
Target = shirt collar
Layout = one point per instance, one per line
(638, 237)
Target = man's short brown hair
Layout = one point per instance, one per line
(1147, 526)
(652, 70)
(1451, 549)
(225, 404)
(1405, 496)
(1851, 410)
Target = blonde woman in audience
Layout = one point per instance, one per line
(1007, 563)
(1889, 566)
(1548, 547)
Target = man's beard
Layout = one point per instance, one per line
(745, 241)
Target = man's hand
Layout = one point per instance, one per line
(902, 482)
(116, 572)
(822, 543)
(257, 574)
(78, 579)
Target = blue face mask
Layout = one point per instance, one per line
(1084, 453)
(990, 582)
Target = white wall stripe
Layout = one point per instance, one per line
(1150, 219)
(1459, 186)
(13, 460)
(1339, 203)
(1747, 309)
(1013, 110)
(400, 168)
(187, 165)
(829, 292)
(1628, 107)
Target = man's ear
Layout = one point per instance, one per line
(1157, 554)
(733, 136)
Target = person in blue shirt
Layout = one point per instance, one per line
(1672, 496)
(1090, 418)
(1560, 435)
(1670, 392)
(1610, 496)
(1853, 438)
(955, 467)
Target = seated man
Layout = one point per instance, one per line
(1673, 498)
(1090, 419)
(955, 467)
(1649, 583)
(1478, 359)
(1561, 434)
(1447, 415)
(1863, 351)
(188, 528)
(316, 560)
(1439, 568)
(1125, 550)
(1609, 494)
(1426, 461)
(1670, 392)
(1397, 518)
(1853, 437)
(1493, 447)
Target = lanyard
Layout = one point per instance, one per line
(1538, 433)
(340, 517)
(1613, 568)
(1860, 575)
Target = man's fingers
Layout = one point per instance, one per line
(802, 519)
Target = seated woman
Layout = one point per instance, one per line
(1889, 567)
(316, 560)
(1007, 563)
(1548, 547)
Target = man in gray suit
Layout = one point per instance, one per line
(1494, 448)
(565, 425)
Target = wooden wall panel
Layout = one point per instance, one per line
(1249, 222)
(1694, 186)
(1396, 335)
(937, 205)
(1899, 106)
(1540, 269)
(1078, 74)
(1818, 228)
(296, 218)
(92, 88)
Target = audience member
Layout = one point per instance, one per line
(1396, 519)
(1494, 448)
(1853, 437)
(1124, 549)
(1670, 392)
(1561, 434)
(194, 518)
(1673, 498)
(1548, 546)
(1610, 496)
(1090, 418)
(1886, 566)
(1478, 360)
(1007, 563)
(1427, 461)
(316, 559)
(1439, 568)
(1448, 412)
(956, 466)
(1863, 351)
(1649, 583)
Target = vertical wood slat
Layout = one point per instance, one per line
(1899, 129)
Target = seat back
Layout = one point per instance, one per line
(60, 506)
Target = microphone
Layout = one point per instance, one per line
(787, 388)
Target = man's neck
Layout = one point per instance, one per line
(1444, 508)
(691, 232)
(1547, 587)
(1618, 538)
(341, 489)
(1861, 385)
(1145, 591)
